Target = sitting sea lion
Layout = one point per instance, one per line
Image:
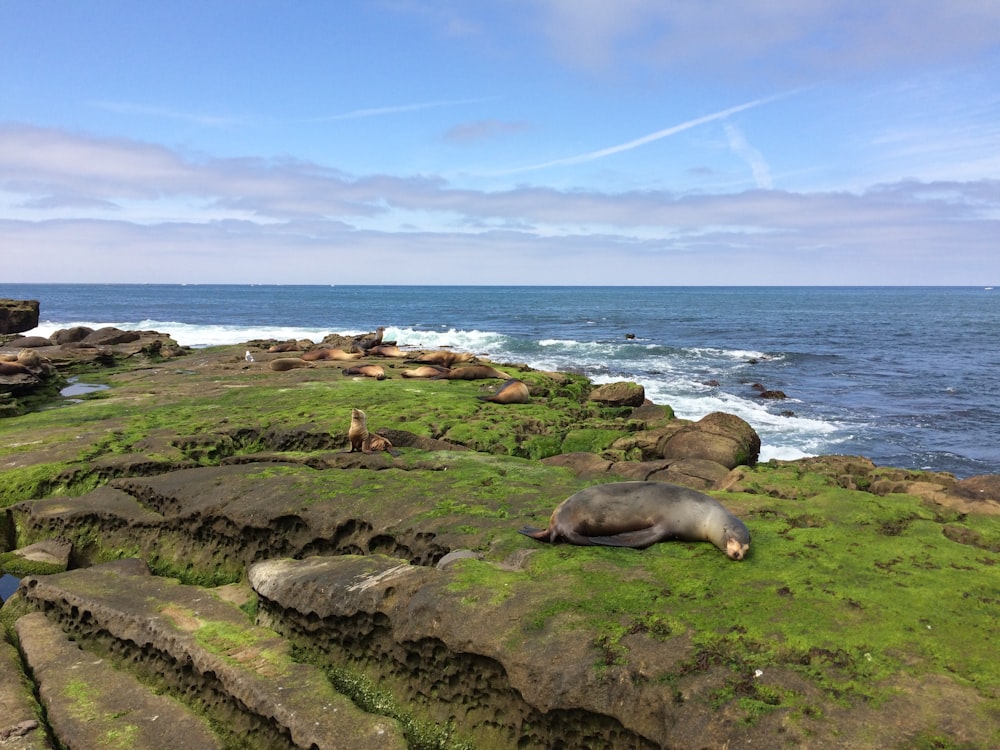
(363, 441)
(472, 372)
(288, 346)
(369, 371)
(512, 391)
(386, 350)
(365, 343)
(637, 514)
(424, 371)
(442, 357)
(29, 358)
(287, 363)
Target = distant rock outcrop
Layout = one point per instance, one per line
(18, 315)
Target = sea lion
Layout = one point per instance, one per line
(363, 441)
(387, 350)
(331, 354)
(512, 391)
(29, 358)
(288, 346)
(637, 514)
(287, 363)
(14, 368)
(369, 371)
(424, 371)
(472, 372)
(365, 343)
(442, 357)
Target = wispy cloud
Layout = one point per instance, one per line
(738, 143)
(143, 110)
(659, 134)
(398, 109)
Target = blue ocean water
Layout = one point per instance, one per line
(908, 376)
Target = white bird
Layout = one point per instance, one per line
(248, 357)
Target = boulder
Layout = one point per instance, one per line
(71, 335)
(18, 315)
(110, 337)
(619, 394)
(723, 438)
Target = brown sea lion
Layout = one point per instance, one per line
(363, 441)
(328, 354)
(287, 363)
(369, 371)
(638, 514)
(472, 372)
(512, 391)
(387, 350)
(14, 368)
(29, 358)
(442, 357)
(424, 371)
(288, 346)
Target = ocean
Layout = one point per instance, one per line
(907, 376)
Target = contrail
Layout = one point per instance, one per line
(601, 153)
(398, 108)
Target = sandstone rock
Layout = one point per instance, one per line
(723, 438)
(582, 464)
(240, 670)
(19, 727)
(697, 473)
(110, 336)
(17, 315)
(49, 551)
(619, 394)
(71, 335)
(985, 487)
(89, 704)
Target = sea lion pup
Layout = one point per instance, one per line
(369, 371)
(472, 372)
(363, 441)
(387, 350)
(288, 346)
(637, 514)
(512, 391)
(424, 371)
(442, 357)
(287, 363)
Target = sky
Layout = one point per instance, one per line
(533, 142)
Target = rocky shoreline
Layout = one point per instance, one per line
(204, 564)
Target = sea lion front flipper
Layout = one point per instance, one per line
(639, 538)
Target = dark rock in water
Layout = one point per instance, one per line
(17, 315)
(773, 395)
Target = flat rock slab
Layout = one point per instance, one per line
(19, 727)
(90, 704)
(216, 649)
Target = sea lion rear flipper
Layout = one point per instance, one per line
(541, 535)
(639, 538)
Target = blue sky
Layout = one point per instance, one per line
(501, 142)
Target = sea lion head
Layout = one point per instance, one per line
(737, 541)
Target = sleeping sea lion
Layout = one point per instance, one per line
(369, 371)
(363, 441)
(512, 391)
(29, 358)
(424, 371)
(287, 363)
(14, 368)
(324, 354)
(637, 514)
(387, 350)
(472, 372)
(442, 357)
(288, 346)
